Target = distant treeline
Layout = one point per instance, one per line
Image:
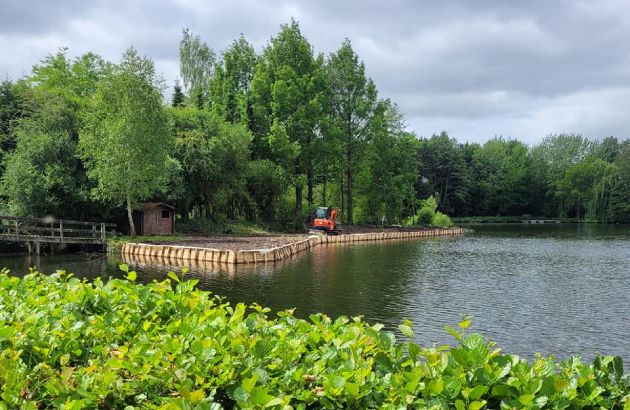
(269, 137)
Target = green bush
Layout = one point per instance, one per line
(425, 216)
(204, 225)
(288, 219)
(441, 220)
(67, 343)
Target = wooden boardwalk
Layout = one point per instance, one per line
(37, 231)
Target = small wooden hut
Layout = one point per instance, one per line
(154, 218)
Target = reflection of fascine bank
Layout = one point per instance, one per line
(159, 263)
(222, 260)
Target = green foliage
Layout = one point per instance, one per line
(214, 158)
(501, 171)
(387, 178)
(428, 215)
(284, 151)
(430, 203)
(287, 104)
(42, 175)
(287, 218)
(607, 149)
(178, 97)
(74, 80)
(252, 129)
(231, 84)
(125, 141)
(353, 104)
(620, 195)
(441, 220)
(425, 216)
(266, 182)
(73, 344)
(557, 153)
(9, 114)
(443, 170)
(196, 66)
(588, 185)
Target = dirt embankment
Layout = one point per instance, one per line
(236, 243)
(244, 243)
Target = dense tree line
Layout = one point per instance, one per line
(566, 176)
(269, 137)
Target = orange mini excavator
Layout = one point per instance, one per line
(326, 221)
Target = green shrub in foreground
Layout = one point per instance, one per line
(71, 344)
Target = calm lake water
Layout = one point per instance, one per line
(552, 289)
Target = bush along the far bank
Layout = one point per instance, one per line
(428, 215)
(67, 343)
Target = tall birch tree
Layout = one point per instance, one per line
(125, 141)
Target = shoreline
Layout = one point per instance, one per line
(179, 253)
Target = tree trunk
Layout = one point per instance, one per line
(298, 197)
(132, 227)
(309, 186)
(350, 221)
(325, 180)
(184, 214)
(343, 214)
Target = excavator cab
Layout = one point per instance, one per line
(326, 220)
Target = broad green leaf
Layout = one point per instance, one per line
(241, 396)
(406, 330)
(476, 405)
(436, 386)
(465, 322)
(476, 392)
(275, 402)
(525, 399)
(173, 276)
(352, 389)
(249, 383)
(259, 397)
(453, 332)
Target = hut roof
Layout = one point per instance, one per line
(152, 205)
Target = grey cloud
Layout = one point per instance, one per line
(477, 69)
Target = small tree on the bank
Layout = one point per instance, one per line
(125, 141)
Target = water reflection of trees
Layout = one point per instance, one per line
(370, 279)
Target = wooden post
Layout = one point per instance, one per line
(37, 248)
(61, 231)
(17, 231)
(52, 229)
(103, 238)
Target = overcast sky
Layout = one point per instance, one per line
(476, 69)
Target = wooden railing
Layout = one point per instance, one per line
(51, 230)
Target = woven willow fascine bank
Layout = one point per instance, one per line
(191, 253)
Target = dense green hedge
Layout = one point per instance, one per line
(72, 344)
